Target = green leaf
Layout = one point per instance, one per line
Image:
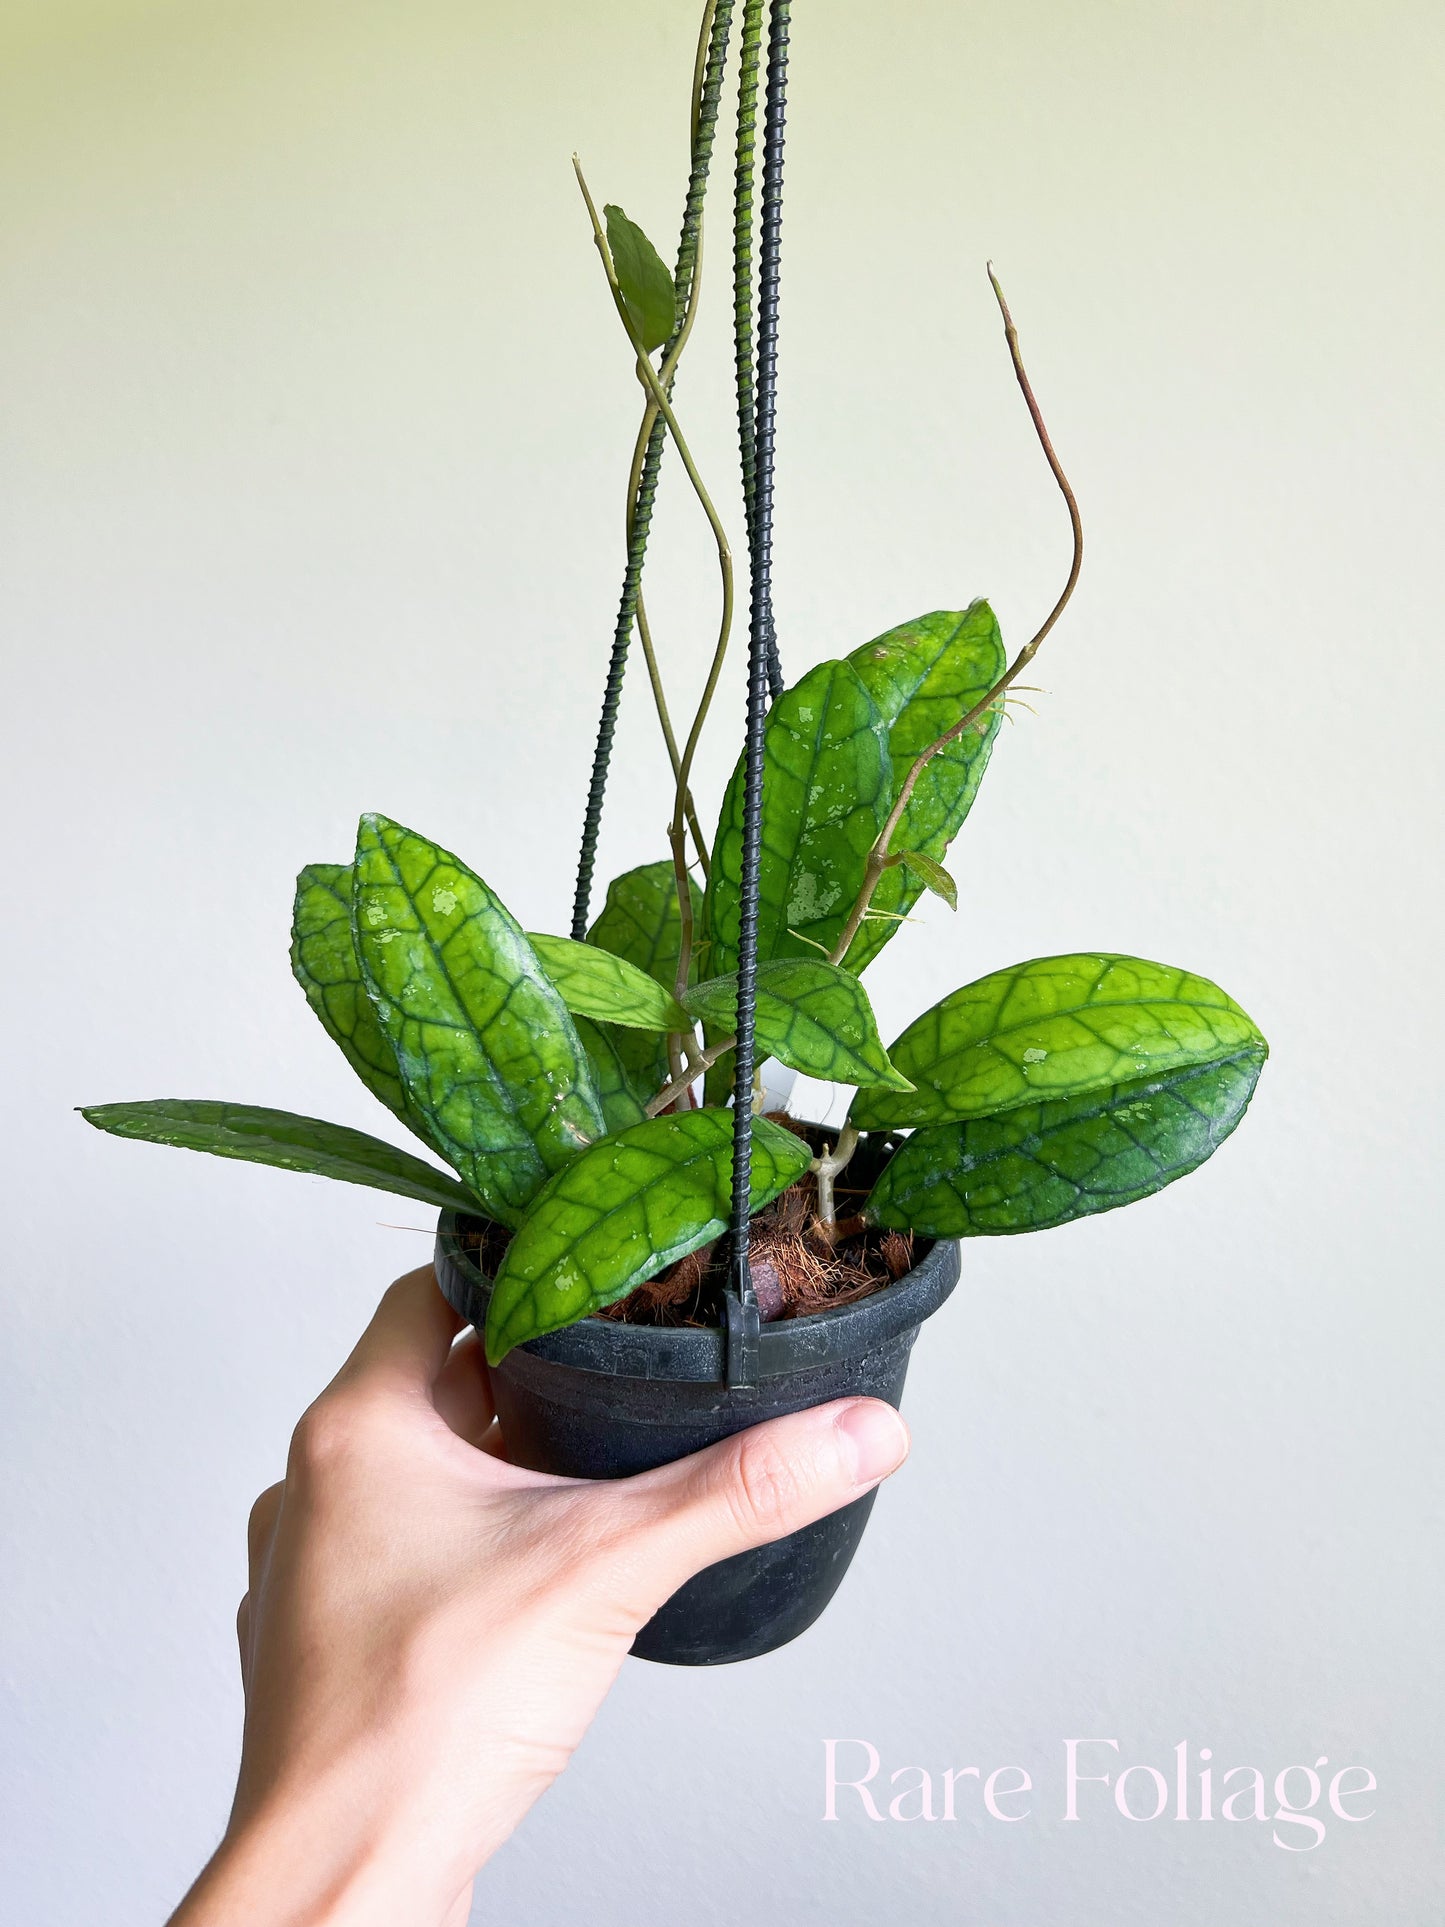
(1048, 1162)
(622, 1211)
(640, 920)
(825, 798)
(595, 983)
(923, 676)
(281, 1139)
(622, 1102)
(648, 292)
(809, 1015)
(1056, 1027)
(485, 1046)
(932, 876)
(325, 964)
(643, 1057)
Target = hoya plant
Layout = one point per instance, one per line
(571, 1094)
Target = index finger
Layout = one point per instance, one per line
(409, 1337)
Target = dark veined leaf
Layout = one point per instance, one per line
(825, 798)
(624, 1102)
(640, 920)
(647, 289)
(278, 1138)
(622, 1212)
(932, 876)
(1047, 1163)
(325, 964)
(643, 1057)
(809, 1015)
(923, 676)
(595, 983)
(1056, 1027)
(483, 1041)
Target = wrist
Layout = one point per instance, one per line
(323, 1857)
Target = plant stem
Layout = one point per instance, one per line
(834, 1160)
(677, 834)
(697, 1063)
(878, 856)
(654, 674)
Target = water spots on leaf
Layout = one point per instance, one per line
(809, 898)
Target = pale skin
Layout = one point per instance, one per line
(428, 1630)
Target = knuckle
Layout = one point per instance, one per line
(262, 1517)
(326, 1435)
(762, 1487)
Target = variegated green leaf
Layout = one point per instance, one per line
(483, 1041)
(281, 1139)
(825, 798)
(643, 1057)
(624, 1100)
(640, 920)
(1063, 1158)
(595, 983)
(623, 1211)
(1057, 1027)
(809, 1015)
(325, 964)
(924, 675)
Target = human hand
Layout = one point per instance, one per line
(429, 1630)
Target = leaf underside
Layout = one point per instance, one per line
(484, 1043)
(622, 1211)
(810, 1015)
(1049, 1162)
(288, 1142)
(1056, 1027)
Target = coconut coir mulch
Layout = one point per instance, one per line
(796, 1268)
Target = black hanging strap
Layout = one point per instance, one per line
(651, 463)
(742, 1306)
(743, 342)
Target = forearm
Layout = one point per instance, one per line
(324, 1859)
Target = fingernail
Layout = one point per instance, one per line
(877, 1438)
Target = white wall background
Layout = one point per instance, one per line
(314, 429)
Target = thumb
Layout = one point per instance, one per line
(762, 1484)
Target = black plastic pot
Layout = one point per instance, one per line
(600, 1400)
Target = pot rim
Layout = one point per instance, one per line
(696, 1352)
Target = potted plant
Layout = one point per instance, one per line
(657, 1259)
